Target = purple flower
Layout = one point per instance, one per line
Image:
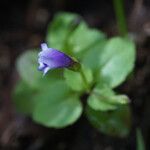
(50, 58)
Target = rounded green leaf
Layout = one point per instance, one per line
(56, 106)
(60, 28)
(117, 61)
(98, 103)
(104, 99)
(84, 38)
(113, 123)
(27, 67)
(23, 93)
(111, 60)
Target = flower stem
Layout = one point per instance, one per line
(84, 80)
(120, 16)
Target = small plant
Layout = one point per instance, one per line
(84, 83)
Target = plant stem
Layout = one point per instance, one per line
(85, 80)
(120, 16)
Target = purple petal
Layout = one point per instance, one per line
(50, 58)
(46, 70)
(41, 66)
(44, 46)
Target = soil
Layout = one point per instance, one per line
(22, 26)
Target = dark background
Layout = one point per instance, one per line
(23, 25)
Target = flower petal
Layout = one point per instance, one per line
(44, 46)
(46, 70)
(41, 66)
(50, 58)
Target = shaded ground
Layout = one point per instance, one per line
(23, 26)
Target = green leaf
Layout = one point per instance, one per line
(113, 123)
(84, 38)
(55, 95)
(75, 80)
(117, 61)
(112, 61)
(23, 93)
(27, 68)
(92, 56)
(60, 29)
(22, 98)
(56, 106)
(140, 140)
(104, 99)
(100, 104)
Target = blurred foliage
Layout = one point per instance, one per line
(115, 123)
(55, 100)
